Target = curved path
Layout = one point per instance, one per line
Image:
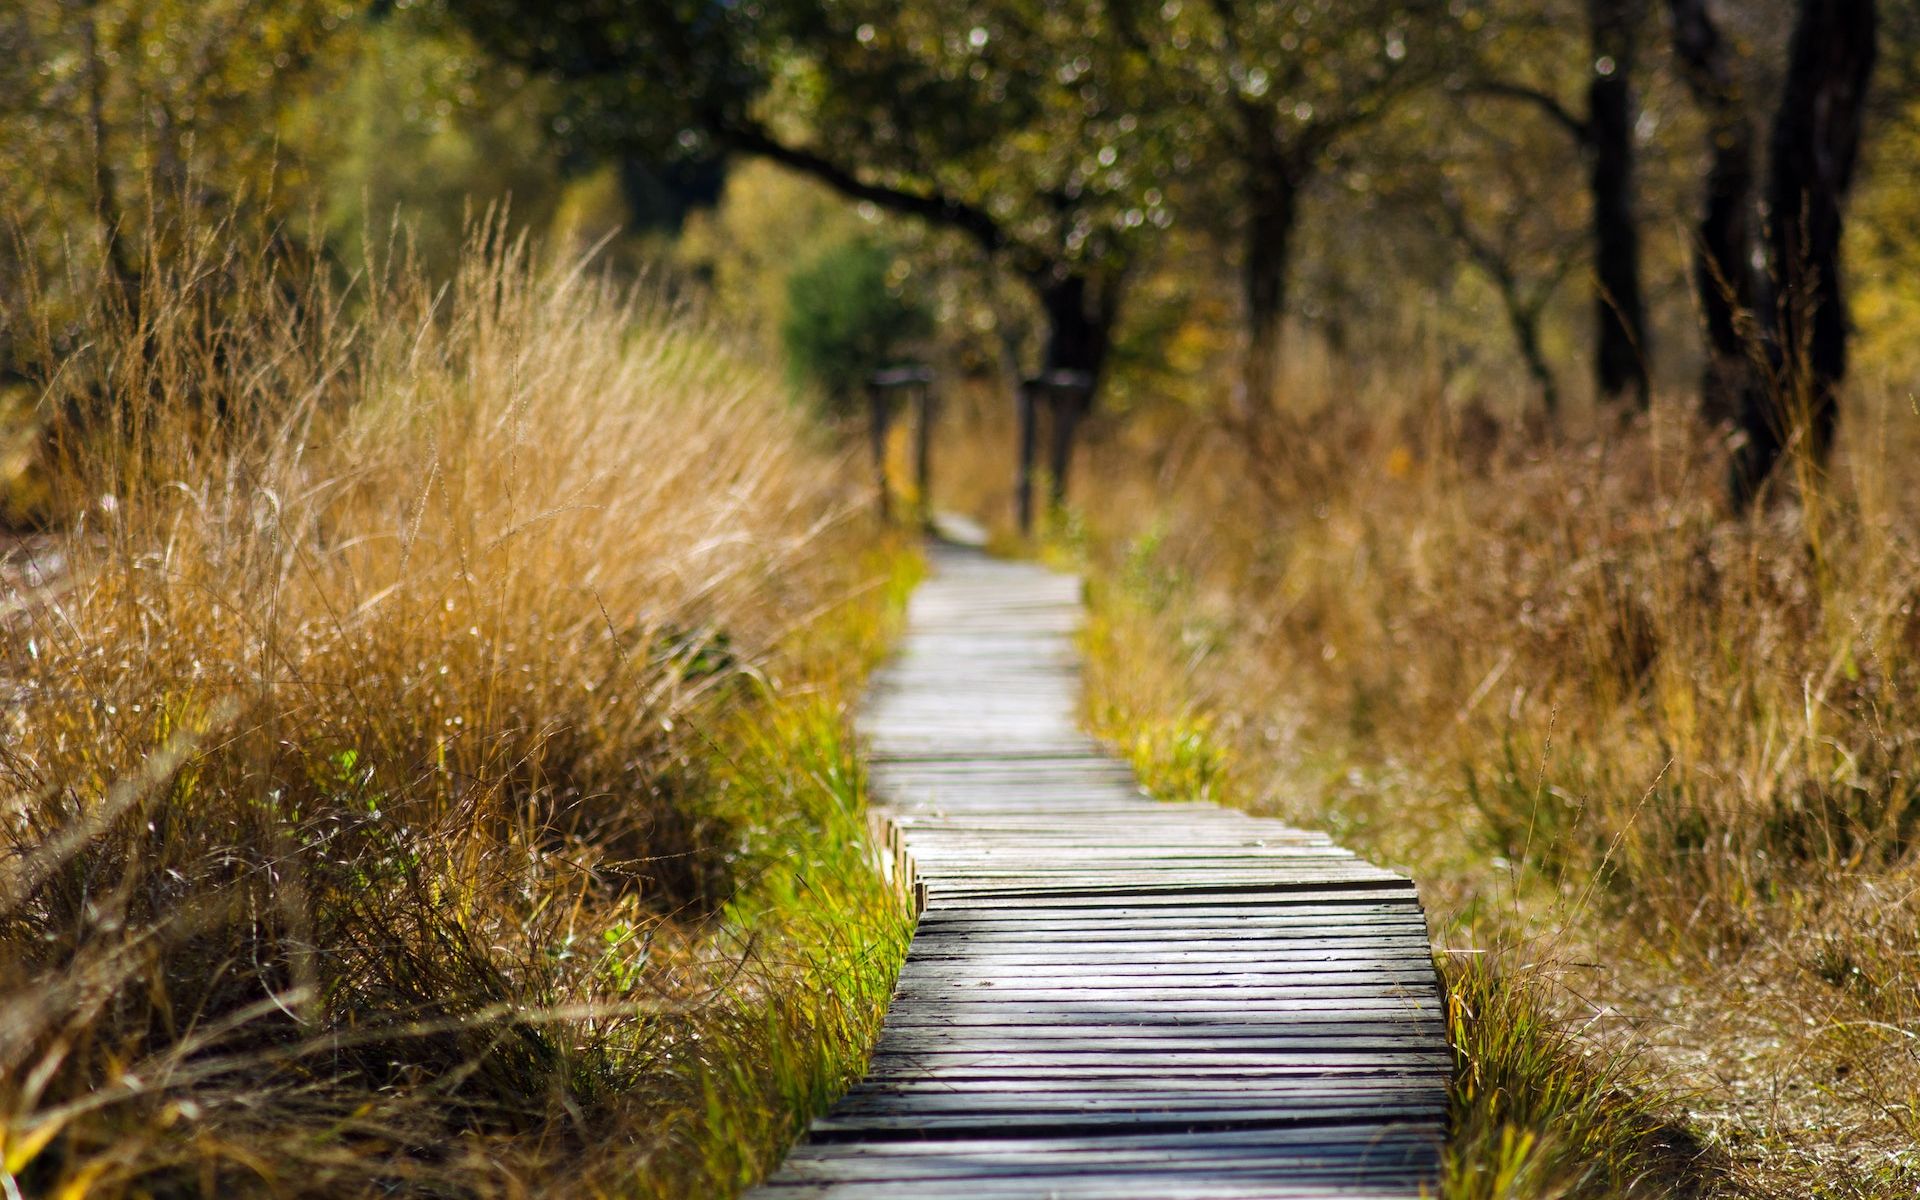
(1109, 996)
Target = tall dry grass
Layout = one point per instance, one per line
(1651, 761)
(416, 775)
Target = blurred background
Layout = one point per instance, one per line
(1534, 214)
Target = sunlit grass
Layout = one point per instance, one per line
(423, 762)
(1649, 762)
(1535, 1112)
(1143, 712)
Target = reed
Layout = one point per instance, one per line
(422, 765)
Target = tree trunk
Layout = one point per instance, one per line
(1080, 308)
(106, 200)
(1273, 199)
(1723, 274)
(1815, 142)
(1620, 363)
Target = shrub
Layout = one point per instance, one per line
(847, 319)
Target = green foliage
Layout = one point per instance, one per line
(121, 121)
(1886, 246)
(1535, 1113)
(1177, 758)
(823, 934)
(846, 318)
(422, 125)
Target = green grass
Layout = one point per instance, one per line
(1141, 712)
(820, 936)
(1535, 1112)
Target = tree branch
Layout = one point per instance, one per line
(1549, 105)
(970, 219)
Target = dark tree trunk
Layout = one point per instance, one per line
(1723, 273)
(1522, 310)
(1273, 198)
(106, 199)
(1620, 363)
(1815, 142)
(1080, 308)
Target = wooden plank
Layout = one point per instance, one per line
(993, 1031)
(1065, 1008)
(1108, 996)
(1181, 941)
(1331, 1166)
(1403, 1138)
(1350, 1034)
(1277, 1111)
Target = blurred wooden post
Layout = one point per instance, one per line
(883, 390)
(927, 405)
(879, 416)
(1072, 393)
(1066, 395)
(1023, 480)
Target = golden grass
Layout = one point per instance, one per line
(1651, 763)
(423, 766)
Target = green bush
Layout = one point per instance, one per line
(846, 319)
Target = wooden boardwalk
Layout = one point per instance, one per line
(1109, 996)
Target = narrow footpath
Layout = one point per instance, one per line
(1108, 996)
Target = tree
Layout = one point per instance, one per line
(1466, 203)
(1500, 256)
(124, 123)
(1729, 294)
(987, 117)
(1814, 146)
(1605, 136)
(845, 321)
(1621, 348)
(425, 125)
(1290, 80)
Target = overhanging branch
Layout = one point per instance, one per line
(971, 219)
(1545, 102)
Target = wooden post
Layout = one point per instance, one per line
(927, 405)
(880, 414)
(1023, 480)
(1066, 395)
(882, 389)
(1068, 405)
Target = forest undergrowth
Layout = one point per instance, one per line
(1651, 762)
(424, 766)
